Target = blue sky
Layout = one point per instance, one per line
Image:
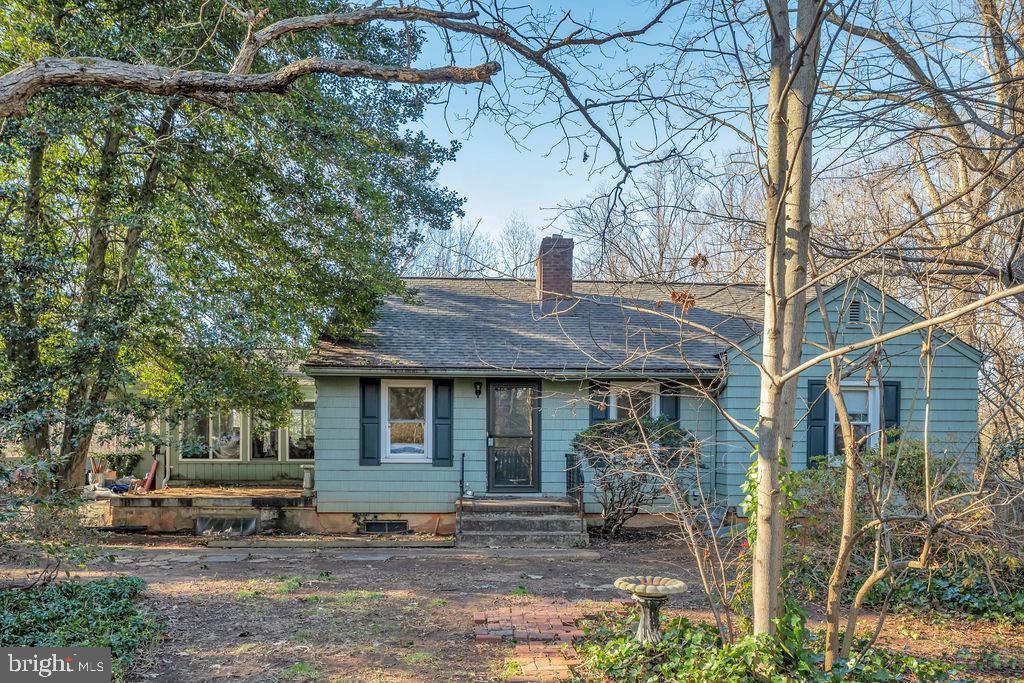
(498, 177)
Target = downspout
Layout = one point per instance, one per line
(167, 467)
(719, 385)
(164, 449)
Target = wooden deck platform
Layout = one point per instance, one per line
(225, 491)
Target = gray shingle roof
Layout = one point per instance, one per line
(496, 325)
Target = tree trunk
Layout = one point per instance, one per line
(851, 453)
(787, 238)
(79, 414)
(766, 568)
(799, 147)
(105, 368)
(23, 342)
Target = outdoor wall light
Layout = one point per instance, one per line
(478, 387)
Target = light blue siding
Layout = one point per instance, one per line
(225, 472)
(564, 412)
(342, 485)
(954, 404)
(345, 486)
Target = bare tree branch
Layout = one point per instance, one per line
(17, 87)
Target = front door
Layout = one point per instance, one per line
(513, 436)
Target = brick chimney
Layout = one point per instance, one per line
(554, 270)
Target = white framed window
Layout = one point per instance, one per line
(264, 444)
(407, 412)
(217, 436)
(302, 431)
(194, 443)
(633, 399)
(226, 435)
(864, 407)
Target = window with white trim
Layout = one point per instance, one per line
(302, 431)
(863, 405)
(226, 435)
(633, 399)
(217, 436)
(264, 444)
(407, 409)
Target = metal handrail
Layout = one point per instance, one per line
(574, 484)
(462, 492)
(462, 476)
(574, 478)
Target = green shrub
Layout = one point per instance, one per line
(694, 653)
(961, 588)
(123, 462)
(39, 529)
(98, 613)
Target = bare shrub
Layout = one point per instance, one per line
(632, 461)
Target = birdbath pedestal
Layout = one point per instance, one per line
(650, 593)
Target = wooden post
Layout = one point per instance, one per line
(307, 480)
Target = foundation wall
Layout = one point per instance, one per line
(641, 521)
(171, 518)
(313, 522)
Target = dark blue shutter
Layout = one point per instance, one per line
(669, 403)
(443, 456)
(598, 403)
(890, 407)
(817, 423)
(369, 421)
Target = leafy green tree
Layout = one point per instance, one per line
(161, 253)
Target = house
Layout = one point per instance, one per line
(480, 384)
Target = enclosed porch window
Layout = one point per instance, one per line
(265, 444)
(302, 431)
(214, 437)
(238, 436)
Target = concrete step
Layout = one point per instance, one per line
(522, 539)
(519, 506)
(509, 522)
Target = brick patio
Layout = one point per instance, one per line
(543, 634)
(544, 662)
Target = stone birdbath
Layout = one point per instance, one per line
(650, 593)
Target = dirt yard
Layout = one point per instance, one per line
(274, 614)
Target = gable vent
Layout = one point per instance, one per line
(854, 313)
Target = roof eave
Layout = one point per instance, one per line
(547, 373)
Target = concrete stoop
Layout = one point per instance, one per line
(520, 523)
